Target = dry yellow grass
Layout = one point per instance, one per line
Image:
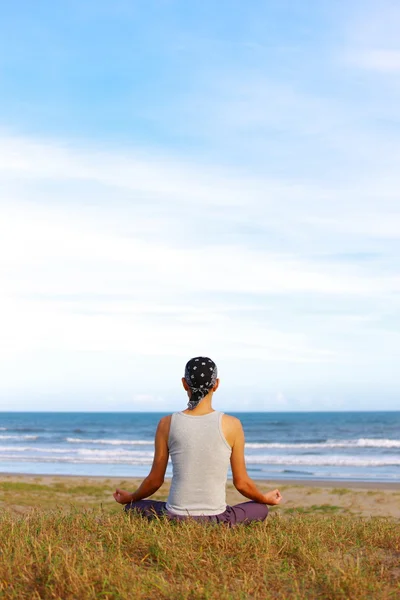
(316, 545)
(92, 554)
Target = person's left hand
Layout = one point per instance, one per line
(273, 498)
(122, 496)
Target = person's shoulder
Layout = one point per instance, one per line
(164, 425)
(232, 429)
(165, 421)
(232, 421)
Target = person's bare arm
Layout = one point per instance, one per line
(241, 480)
(155, 478)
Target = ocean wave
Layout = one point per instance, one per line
(359, 443)
(18, 437)
(111, 442)
(377, 443)
(147, 460)
(324, 461)
(116, 456)
(35, 449)
(78, 460)
(130, 454)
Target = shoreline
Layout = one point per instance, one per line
(23, 493)
(326, 483)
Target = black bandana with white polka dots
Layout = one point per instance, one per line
(201, 374)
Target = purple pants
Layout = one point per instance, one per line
(246, 512)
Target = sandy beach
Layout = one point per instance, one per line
(21, 493)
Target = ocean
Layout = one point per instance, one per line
(357, 446)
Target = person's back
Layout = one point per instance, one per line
(200, 458)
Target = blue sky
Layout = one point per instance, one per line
(185, 178)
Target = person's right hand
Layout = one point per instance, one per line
(273, 498)
(122, 496)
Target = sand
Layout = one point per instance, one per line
(20, 493)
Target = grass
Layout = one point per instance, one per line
(95, 554)
(341, 491)
(25, 495)
(76, 544)
(314, 509)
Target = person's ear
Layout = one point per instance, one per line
(185, 384)
(216, 386)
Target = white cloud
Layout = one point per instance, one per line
(80, 286)
(381, 60)
(55, 161)
(371, 37)
(385, 225)
(63, 250)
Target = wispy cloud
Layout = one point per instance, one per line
(372, 41)
(383, 60)
(79, 279)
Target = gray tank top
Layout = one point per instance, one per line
(200, 459)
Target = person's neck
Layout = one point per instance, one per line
(204, 407)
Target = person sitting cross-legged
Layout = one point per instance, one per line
(201, 442)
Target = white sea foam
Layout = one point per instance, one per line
(34, 449)
(377, 443)
(137, 457)
(131, 454)
(14, 449)
(327, 460)
(111, 442)
(360, 443)
(78, 460)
